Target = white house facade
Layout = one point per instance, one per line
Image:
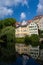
(32, 28)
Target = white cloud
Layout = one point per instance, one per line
(5, 12)
(25, 2)
(40, 7)
(22, 16)
(13, 2)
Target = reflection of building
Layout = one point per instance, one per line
(22, 48)
(26, 28)
(41, 54)
(32, 51)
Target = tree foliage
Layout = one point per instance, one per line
(7, 39)
(41, 33)
(27, 40)
(32, 40)
(19, 40)
(35, 40)
(7, 22)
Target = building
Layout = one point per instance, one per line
(32, 28)
(39, 21)
(40, 24)
(21, 29)
(18, 32)
(26, 28)
(29, 27)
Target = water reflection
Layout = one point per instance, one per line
(25, 59)
(22, 60)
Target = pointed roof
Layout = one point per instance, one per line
(24, 23)
(38, 17)
(29, 21)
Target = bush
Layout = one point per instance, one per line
(35, 40)
(19, 40)
(27, 40)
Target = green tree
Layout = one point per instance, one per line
(27, 40)
(1, 24)
(9, 22)
(35, 40)
(19, 40)
(41, 34)
(41, 46)
(8, 46)
(7, 39)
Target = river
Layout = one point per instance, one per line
(22, 60)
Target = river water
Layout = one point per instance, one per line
(22, 60)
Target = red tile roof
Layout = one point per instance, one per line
(29, 21)
(37, 17)
(17, 23)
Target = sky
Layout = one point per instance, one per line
(20, 9)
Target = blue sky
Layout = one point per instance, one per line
(20, 9)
